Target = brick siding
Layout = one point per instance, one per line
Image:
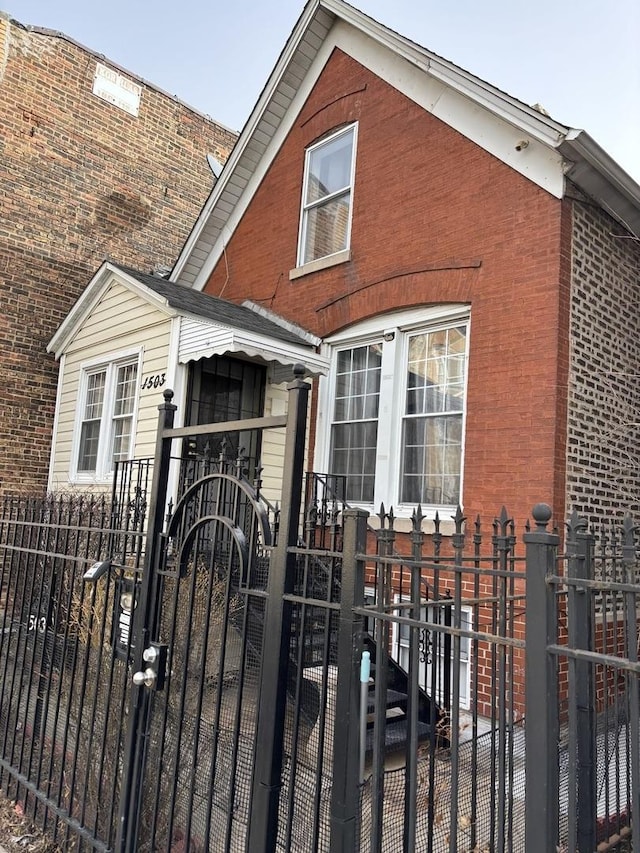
(436, 220)
(80, 181)
(603, 454)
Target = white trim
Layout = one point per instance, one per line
(321, 263)
(202, 339)
(487, 116)
(177, 375)
(56, 421)
(105, 277)
(306, 208)
(396, 327)
(172, 355)
(490, 119)
(102, 475)
(258, 167)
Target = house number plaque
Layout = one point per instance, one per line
(156, 380)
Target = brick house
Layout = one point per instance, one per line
(462, 267)
(95, 163)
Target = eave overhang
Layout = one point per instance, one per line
(552, 146)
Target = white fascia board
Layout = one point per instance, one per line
(264, 163)
(246, 136)
(510, 108)
(497, 131)
(601, 178)
(492, 120)
(81, 309)
(92, 294)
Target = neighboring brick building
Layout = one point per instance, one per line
(81, 179)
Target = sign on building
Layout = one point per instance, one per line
(116, 89)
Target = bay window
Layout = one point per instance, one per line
(392, 410)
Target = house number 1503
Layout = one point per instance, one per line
(156, 380)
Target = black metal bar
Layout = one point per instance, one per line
(631, 684)
(411, 772)
(580, 620)
(132, 774)
(541, 680)
(345, 792)
(267, 781)
(454, 706)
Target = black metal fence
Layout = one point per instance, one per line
(64, 647)
(583, 754)
(315, 693)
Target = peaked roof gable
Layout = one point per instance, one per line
(174, 299)
(491, 118)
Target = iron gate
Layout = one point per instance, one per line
(201, 700)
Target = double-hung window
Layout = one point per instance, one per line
(325, 223)
(393, 409)
(106, 410)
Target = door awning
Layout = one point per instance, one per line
(202, 339)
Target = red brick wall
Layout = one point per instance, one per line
(80, 181)
(435, 219)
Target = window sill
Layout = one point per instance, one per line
(89, 480)
(320, 264)
(403, 522)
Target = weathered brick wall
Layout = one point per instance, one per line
(435, 220)
(81, 180)
(603, 453)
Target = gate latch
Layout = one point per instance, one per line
(155, 656)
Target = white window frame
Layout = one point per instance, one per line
(394, 330)
(110, 364)
(400, 652)
(306, 208)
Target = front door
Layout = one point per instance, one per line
(225, 389)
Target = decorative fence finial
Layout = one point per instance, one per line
(541, 515)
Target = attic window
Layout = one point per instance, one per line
(325, 223)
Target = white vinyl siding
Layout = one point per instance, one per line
(121, 322)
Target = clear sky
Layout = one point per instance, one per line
(580, 59)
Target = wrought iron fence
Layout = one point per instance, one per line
(68, 579)
(583, 685)
(429, 749)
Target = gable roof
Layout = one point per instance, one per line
(493, 119)
(186, 300)
(209, 325)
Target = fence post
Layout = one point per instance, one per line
(267, 776)
(133, 765)
(580, 622)
(345, 792)
(542, 719)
